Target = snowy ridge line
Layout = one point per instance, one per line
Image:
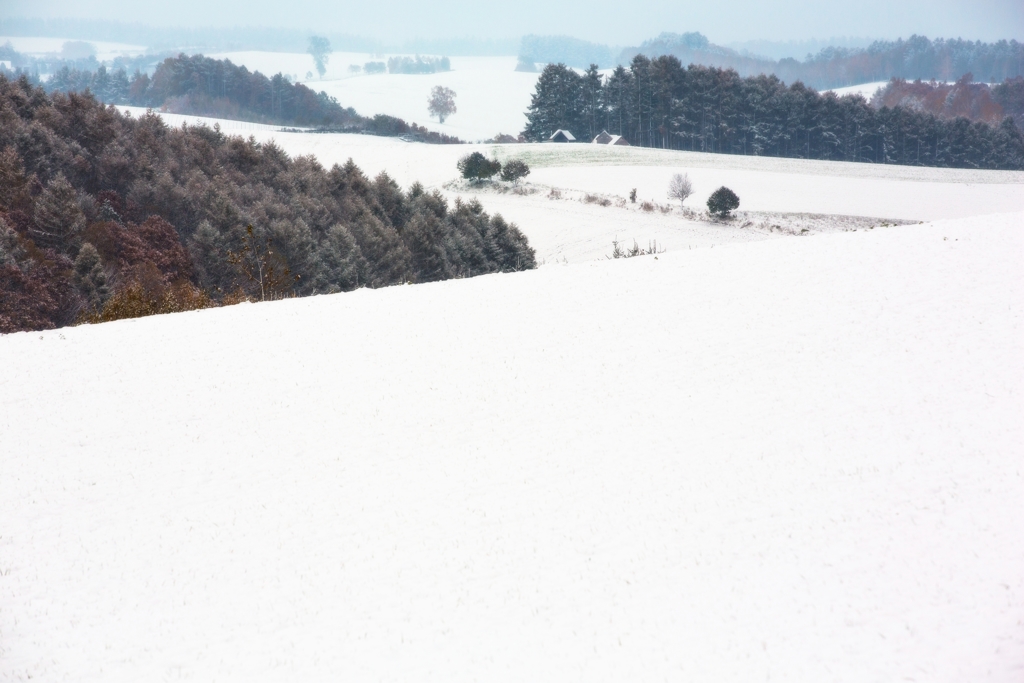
(231, 125)
(555, 154)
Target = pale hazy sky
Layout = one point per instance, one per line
(604, 21)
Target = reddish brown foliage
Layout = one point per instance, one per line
(946, 100)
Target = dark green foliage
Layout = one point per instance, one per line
(476, 166)
(722, 202)
(659, 103)
(1010, 96)
(90, 278)
(514, 170)
(165, 211)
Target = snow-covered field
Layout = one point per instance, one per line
(867, 90)
(492, 96)
(105, 51)
(780, 458)
(770, 189)
(795, 460)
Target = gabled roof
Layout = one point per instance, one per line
(567, 134)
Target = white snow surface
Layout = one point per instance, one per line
(791, 460)
(866, 90)
(105, 51)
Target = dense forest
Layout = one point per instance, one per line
(659, 103)
(202, 86)
(974, 101)
(101, 213)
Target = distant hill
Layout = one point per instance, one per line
(914, 58)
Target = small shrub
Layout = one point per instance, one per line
(632, 195)
(555, 193)
(595, 199)
(722, 202)
(647, 206)
(476, 166)
(514, 170)
(137, 300)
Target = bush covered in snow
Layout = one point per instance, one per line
(722, 202)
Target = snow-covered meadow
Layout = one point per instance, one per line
(756, 456)
(797, 460)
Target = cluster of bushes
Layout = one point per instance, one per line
(477, 167)
(418, 65)
(202, 86)
(104, 215)
(659, 103)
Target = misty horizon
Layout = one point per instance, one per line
(736, 23)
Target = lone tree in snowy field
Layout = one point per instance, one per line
(722, 201)
(680, 187)
(476, 166)
(514, 170)
(441, 103)
(320, 48)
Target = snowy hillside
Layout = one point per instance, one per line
(492, 95)
(773, 192)
(793, 460)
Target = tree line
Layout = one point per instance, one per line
(98, 207)
(913, 58)
(659, 103)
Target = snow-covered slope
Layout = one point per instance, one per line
(794, 460)
(492, 95)
(770, 189)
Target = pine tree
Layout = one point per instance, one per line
(59, 220)
(90, 278)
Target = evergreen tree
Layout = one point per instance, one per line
(90, 278)
(58, 220)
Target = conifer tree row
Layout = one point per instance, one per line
(659, 103)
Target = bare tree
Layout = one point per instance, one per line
(320, 49)
(441, 103)
(680, 187)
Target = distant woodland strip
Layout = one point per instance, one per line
(914, 58)
(201, 86)
(105, 216)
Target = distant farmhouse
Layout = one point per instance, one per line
(605, 138)
(561, 136)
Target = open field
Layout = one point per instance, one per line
(797, 459)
